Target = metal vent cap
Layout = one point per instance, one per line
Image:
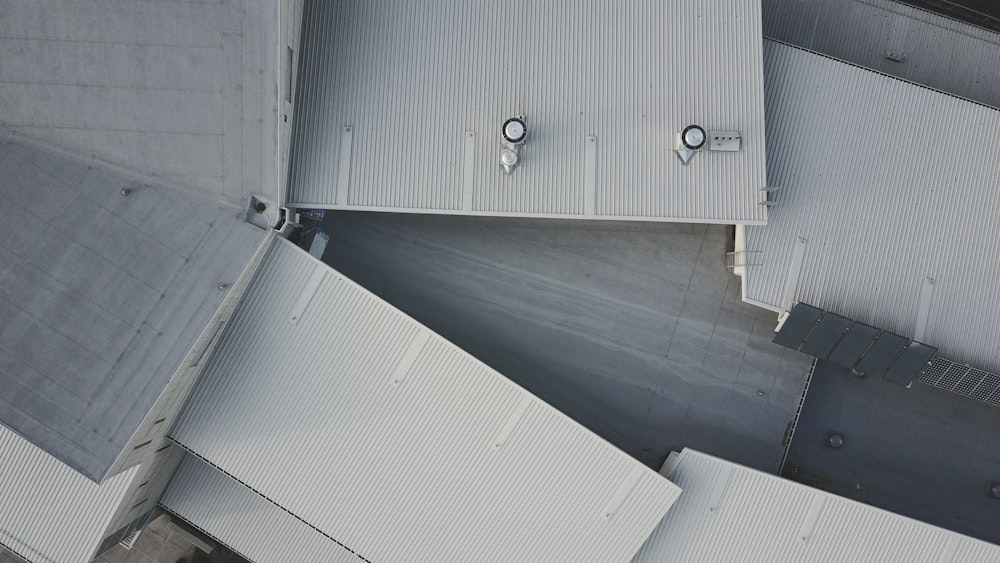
(514, 130)
(693, 137)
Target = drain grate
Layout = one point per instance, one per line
(129, 540)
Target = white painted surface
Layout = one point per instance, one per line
(48, 511)
(729, 512)
(882, 212)
(402, 464)
(630, 75)
(244, 521)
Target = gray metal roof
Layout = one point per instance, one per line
(101, 296)
(887, 204)
(187, 92)
(729, 512)
(400, 108)
(48, 512)
(896, 39)
(402, 447)
(244, 521)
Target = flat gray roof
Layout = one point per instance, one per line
(102, 295)
(636, 330)
(187, 92)
(920, 452)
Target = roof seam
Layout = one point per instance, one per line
(873, 71)
(265, 497)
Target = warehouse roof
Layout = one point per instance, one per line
(187, 92)
(392, 441)
(886, 204)
(245, 521)
(101, 296)
(393, 116)
(729, 512)
(51, 512)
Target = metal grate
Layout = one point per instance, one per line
(963, 380)
(969, 383)
(954, 374)
(743, 258)
(994, 398)
(128, 542)
(986, 387)
(936, 371)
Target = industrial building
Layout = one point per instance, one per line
(169, 345)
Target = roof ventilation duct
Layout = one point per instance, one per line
(694, 139)
(514, 132)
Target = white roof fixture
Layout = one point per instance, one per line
(514, 132)
(694, 139)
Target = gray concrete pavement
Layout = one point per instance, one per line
(636, 330)
(166, 540)
(921, 452)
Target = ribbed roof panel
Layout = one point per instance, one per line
(397, 444)
(245, 521)
(48, 511)
(890, 184)
(729, 512)
(424, 88)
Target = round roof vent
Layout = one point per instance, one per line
(514, 130)
(693, 137)
(508, 157)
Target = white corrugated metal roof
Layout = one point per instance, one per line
(48, 511)
(244, 521)
(729, 512)
(890, 185)
(400, 107)
(391, 440)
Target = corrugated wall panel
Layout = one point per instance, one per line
(391, 440)
(48, 511)
(425, 87)
(245, 521)
(890, 184)
(733, 513)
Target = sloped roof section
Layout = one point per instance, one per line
(244, 521)
(186, 92)
(101, 297)
(886, 208)
(397, 444)
(401, 104)
(729, 512)
(50, 512)
(892, 37)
